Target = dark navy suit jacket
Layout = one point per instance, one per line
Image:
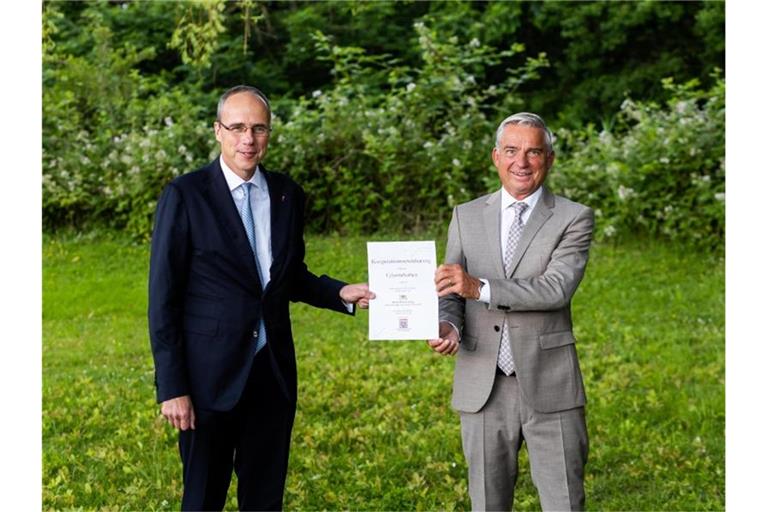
(205, 297)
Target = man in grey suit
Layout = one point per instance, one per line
(513, 262)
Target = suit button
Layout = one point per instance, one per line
(496, 328)
(256, 334)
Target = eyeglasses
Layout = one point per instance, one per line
(258, 130)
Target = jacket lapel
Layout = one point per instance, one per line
(223, 206)
(540, 214)
(279, 210)
(492, 221)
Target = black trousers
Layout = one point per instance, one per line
(253, 439)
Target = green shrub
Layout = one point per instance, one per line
(384, 147)
(394, 148)
(660, 171)
(112, 137)
(387, 147)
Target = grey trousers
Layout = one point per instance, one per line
(557, 449)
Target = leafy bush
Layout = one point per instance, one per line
(394, 148)
(386, 146)
(659, 171)
(111, 137)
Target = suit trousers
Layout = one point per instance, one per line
(557, 449)
(253, 438)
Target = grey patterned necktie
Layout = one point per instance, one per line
(513, 237)
(246, 213)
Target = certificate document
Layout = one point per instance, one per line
(402, 275)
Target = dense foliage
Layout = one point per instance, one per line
(388, 128)
(600, 51)
(394, 150)
(660, 171)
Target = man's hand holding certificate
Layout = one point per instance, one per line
(402, 276)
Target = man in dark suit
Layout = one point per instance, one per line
(227, 257)
(512, 264)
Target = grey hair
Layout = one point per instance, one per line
(243, 88)
(525, 119)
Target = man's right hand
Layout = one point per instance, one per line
(448, 342)
(179, 412)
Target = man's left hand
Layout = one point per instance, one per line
(448, 342)
(357, 294)
(451, 278)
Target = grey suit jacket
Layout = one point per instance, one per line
(547, 267)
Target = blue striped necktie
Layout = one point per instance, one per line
(246, 213)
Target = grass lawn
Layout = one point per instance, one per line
(374, 428)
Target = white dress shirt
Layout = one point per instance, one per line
(262, 220)
(507, 217)
(260, 206)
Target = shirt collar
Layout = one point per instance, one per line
(234, 181)
(531, 200)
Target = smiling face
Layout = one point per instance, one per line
(242, 152)
(522, 159)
